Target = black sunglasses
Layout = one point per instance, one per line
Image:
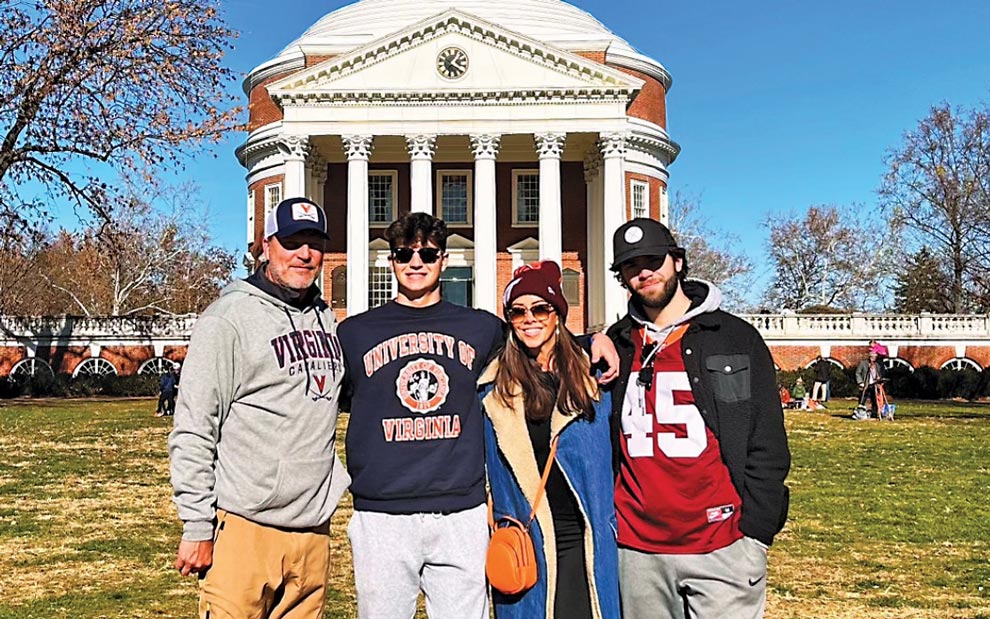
(645, 376)
(633, 267)
(429, 255)
(540, 312)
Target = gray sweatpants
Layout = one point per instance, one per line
(397, 556)
(730, 583)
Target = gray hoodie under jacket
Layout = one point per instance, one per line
(256, 417)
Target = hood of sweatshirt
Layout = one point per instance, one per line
(705, 297)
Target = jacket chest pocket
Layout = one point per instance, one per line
(729, 376)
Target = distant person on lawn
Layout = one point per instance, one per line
(870, 374)
(823, 374)
(254, 470)
(166, 392)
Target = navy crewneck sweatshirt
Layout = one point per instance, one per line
(414, 440)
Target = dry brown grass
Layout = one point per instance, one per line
(87, 527)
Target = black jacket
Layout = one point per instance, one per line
(734, 386)
(823, 371)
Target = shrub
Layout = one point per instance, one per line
(63, 385)
(925, 383)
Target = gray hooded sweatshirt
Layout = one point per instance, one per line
(256, 417)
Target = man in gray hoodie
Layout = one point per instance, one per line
(254, 471)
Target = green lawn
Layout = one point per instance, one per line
(888, 519)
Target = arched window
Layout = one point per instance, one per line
(338, 288)
(571, 284)
(156, 366)
(834, 362)
(94, 366)
(961, 363)
(29, 368)
(895, 362)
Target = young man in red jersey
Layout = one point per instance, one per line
(700, 444)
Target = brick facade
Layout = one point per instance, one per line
(127, 358)
(651, 102)
(258, 188)
(262, 109)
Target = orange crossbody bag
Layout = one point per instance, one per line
(511, 561)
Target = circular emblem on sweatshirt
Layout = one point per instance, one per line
(422, 386)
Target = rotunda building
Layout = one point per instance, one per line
(527, 125)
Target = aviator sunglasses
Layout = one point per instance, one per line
(540, 312)
(429, 255)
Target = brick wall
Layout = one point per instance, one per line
(313, 60)
(651, 102)
(261, 108)
(655, 185)
(598, 57)
(259, 209)
(332, 261)
(793, 357)
(933, 356)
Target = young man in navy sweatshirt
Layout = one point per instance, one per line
(415, 446)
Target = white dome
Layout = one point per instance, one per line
(550, 21)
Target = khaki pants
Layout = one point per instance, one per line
(262, 572)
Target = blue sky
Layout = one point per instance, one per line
(777, 104)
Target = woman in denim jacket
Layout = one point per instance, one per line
(538, 388)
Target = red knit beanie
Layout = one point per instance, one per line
(540, 278)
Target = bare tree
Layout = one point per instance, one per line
(711, 253)
(938, 186)
(90, 89)
(829, 256)
(18, 260)
(146, 260)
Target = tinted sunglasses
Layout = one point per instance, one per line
(645, 376)
(634, 266)
(429, 255)
(540, 312)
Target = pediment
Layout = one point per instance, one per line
(405, 65)
(456, 241)
(527, 244)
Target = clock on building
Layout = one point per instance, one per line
(452, 63)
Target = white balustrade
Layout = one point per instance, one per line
(870, 326)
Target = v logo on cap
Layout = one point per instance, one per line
(304, 212)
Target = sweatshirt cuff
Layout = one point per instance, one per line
(197, 530)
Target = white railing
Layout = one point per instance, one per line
(60, 328)
(871, 326)
(771, 326)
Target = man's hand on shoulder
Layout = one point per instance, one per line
(602, 349)
(194, 557)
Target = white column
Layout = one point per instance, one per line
(316, 173)
(613, 149)
(421, 151)
(485, 148)
(594, 297)
(358, 150)
(295, 149)
(549, 146)
(316, 178)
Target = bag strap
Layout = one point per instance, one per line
(543, 482)
(539, 491)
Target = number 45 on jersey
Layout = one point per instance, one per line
(677, 429)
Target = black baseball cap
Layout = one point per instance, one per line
(295, 215)
(641, 237)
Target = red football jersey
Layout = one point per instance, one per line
(673, 494)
